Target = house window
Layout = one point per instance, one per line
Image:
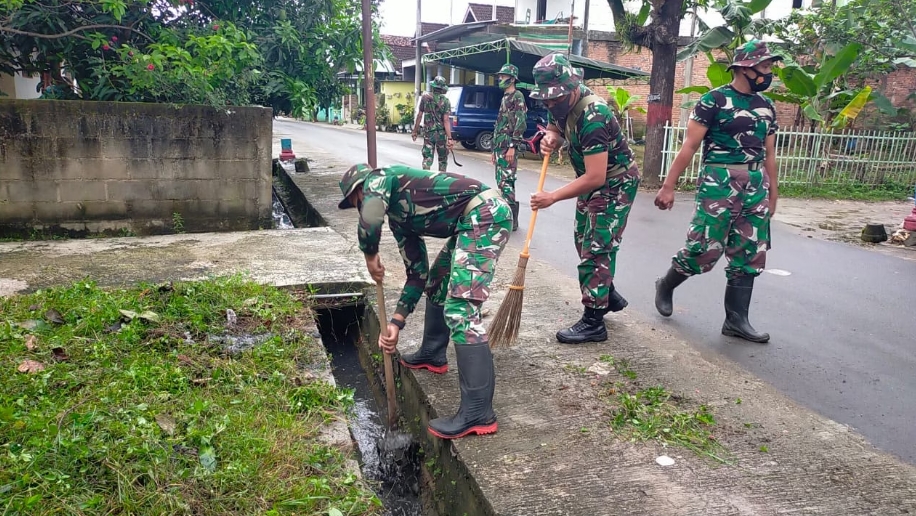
(542, 10)
(796, 4)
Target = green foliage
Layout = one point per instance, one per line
(281, 53)
(147, 415)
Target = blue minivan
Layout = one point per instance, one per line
(474, 110)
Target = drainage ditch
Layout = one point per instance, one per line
(396, 474)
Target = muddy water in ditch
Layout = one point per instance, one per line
(393, 473)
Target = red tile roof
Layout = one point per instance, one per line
(484, 12)
(402, 48)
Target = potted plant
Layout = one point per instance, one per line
(406, 122)
(381, 118)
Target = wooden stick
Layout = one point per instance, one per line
(389, 370)
(534, 213)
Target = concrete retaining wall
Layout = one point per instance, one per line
(88, 167)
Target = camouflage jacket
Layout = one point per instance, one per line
(511, 121)
(434, 106)
(738, 123)
(418, 203)
(596, 131)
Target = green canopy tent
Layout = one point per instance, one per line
(489, 57)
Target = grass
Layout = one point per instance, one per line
(655, 414)
(136, 412)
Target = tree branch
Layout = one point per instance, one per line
(73, 32)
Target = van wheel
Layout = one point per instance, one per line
(484, 141)
(468, 145)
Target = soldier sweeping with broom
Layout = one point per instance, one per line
(476, 221)
(604, 188)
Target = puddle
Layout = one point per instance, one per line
(395, 472)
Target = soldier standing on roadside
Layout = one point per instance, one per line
(605, 187)
(511, 123)
(735, 197)
(435, 109)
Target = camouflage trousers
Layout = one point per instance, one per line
(600, 221)
(460, 276)
(506, 173)
(732, 215)
(435, 143)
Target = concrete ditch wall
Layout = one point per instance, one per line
(89, 167)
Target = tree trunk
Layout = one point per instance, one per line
(661, 37)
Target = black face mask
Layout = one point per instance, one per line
(760, 82)
(561, 109)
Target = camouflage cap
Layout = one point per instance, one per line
(510, 70)
(554, 77)
(752, 54)
(351, 179)
(438, 83)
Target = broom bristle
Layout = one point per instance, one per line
(503, 331)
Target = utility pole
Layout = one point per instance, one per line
(494, 10)
(369, 72)
(585, 28)
(688, 72)
(419, 54)
(572, 16)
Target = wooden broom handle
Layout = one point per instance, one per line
(534, 213)
(389, 369)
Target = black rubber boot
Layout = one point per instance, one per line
(477, 379)
(431, 354)
(514, 216)
(737, 303)
(664, 291)
(590, 328)
(615, 302)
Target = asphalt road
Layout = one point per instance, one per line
(842, 319)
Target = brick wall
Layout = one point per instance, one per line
(88, 167)
(897, 86)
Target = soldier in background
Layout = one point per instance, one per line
(735, 197)
(434, 112)
(476, 221)
(508, 133)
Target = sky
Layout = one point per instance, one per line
(399, 17)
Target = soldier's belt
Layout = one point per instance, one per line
(479, 199)
(620, 169)
(751, 167)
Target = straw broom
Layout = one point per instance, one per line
(503, 331)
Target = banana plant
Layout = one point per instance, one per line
(739, 25)
(625, 101)
(717, 74)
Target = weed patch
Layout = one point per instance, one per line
(119, 401)
(655, 414)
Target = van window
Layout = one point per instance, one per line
(454, 95)
(476, 99)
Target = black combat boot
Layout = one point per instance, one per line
(514, 206)
(477, 379)
(590, 328)
(431, 354)
(664, 291)
(737, 303)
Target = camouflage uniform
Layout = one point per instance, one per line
(733, 195)
(601, 215)
(434, 106)
(732, 200)
(419, 203)
(476, 222)
(511, 123)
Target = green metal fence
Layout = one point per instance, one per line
(823, 157)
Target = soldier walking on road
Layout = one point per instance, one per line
(735, 198)
(476, 221)
(511, 123)
(605, 187)
(435, 109)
